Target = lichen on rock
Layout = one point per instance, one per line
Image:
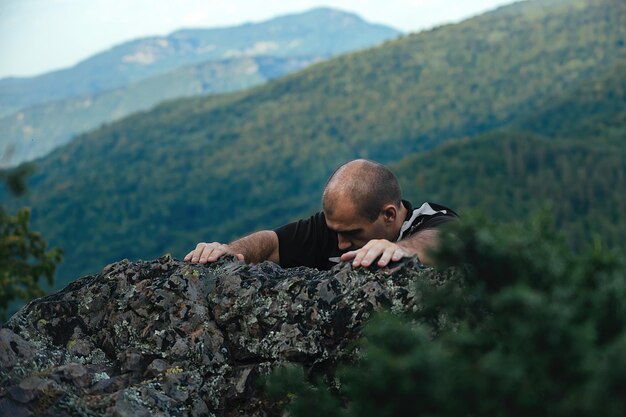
(165, 338)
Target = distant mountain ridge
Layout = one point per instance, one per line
(52, 108)
(33, 132)
(293, 35)
(220, 166)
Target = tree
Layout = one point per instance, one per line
(24, 257)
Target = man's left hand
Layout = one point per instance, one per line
(386, 250)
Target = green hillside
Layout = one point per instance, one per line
(217, 167)
(577, 166)
(33, 132)
(595, 109)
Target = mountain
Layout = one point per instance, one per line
(318, 32)
(213, 168)
(35, 131)
(570, 154)
(137, 75)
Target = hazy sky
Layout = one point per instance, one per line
(37, 36)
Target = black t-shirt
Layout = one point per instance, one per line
(309, 242)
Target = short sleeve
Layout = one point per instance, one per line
(307, 242)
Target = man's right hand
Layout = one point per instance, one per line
(210, 252)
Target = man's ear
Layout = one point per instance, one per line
(390, 212)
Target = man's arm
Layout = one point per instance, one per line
(385, 251)
(257, 247)
(421, 244)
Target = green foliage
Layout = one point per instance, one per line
(313, 401)
(15, 178)
(24, 258)
(570, 153)
(524, 327)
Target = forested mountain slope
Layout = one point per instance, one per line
(569, 155)
(35, 131)
(217, 167)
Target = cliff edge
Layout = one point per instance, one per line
(163, 337)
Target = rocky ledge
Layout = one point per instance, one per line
(165, 338)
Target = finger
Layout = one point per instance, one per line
(386, 257)
(195, 254)
(392, 253)
(216, 254)
(188, 256)
(362, 257)
(206, 253)
(370, 256)
(399, 254)
(240, 257)
(348, 255)
(359, 255)
(373, 253)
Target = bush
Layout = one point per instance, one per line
(24, 260)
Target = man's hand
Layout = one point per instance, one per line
(386, 250)
(210, 252)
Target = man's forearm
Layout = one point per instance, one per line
(421, 243)
(258, 247)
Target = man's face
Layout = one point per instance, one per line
(353, 230)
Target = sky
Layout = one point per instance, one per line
(38, 36)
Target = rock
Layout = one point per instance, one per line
(13, 348)
(164, 338)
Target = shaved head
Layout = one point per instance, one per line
(367, 185)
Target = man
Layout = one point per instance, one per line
(364, 220)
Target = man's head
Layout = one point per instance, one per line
(361, 202)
